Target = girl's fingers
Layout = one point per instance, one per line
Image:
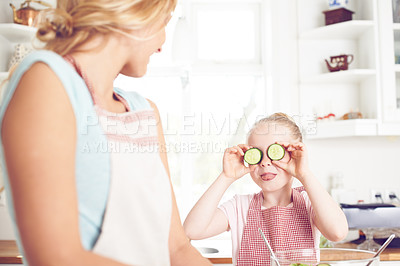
(284, 144)
(299, 145)
(297, 153)
(292, 146)
(230, 150)
(280, 164)
(245, 147)
(235, 149)
(240, 151)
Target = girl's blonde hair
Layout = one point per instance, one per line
(280, 119)
(74, 22)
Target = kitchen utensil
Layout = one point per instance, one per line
(382, 248)
(269, 247)
(26, 14)
(381, 236)
(325, 256)
(377, 217)
(369, 243)
(339, 62)
(333, 4)
(366, 205)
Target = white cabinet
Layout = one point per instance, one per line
(390, 68)
(10, 35)
(366, 86)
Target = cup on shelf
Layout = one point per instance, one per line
(333, 4)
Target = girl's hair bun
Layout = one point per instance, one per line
(54, 23)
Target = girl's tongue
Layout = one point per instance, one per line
(268, 176)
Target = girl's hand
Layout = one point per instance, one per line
(297, 165)
(233, 165)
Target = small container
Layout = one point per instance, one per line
(325, 256)
(338, 15)
(333, 4)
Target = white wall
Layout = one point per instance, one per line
(365, 162)
(6, 227)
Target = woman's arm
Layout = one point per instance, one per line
(181, 251)
(205, 219)
(39, 137)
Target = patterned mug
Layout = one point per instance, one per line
(333, 4)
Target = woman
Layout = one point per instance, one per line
(86, 178)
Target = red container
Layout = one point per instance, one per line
(337, 15)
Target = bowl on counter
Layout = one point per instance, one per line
(325, 257)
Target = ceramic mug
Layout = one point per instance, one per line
(333, 4)
(339, 62)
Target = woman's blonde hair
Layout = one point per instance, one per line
(74, 22)
(280, 119)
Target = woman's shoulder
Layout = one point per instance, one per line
(51, 60)
(47, 69)
(135, 100)
(49, 57)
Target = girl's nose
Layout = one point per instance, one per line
(265, 161)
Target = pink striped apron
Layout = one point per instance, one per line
(284, 227)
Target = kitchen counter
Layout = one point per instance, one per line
(389, 254)
(9, 254)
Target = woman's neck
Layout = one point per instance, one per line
(101, 66)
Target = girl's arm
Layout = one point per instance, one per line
(181, 251)
(205, 219)
(328, 217)
(39, 138)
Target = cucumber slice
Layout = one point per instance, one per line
(275, 152)
(253, 156)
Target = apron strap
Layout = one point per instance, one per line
(298, 199)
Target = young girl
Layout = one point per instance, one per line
(290, 218)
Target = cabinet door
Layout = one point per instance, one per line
(389, 41)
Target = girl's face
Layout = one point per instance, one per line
(267, 176)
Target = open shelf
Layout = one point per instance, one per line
(396, 26)
(345, 30)
(343, 128)
(17, 33)
(347, 76)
